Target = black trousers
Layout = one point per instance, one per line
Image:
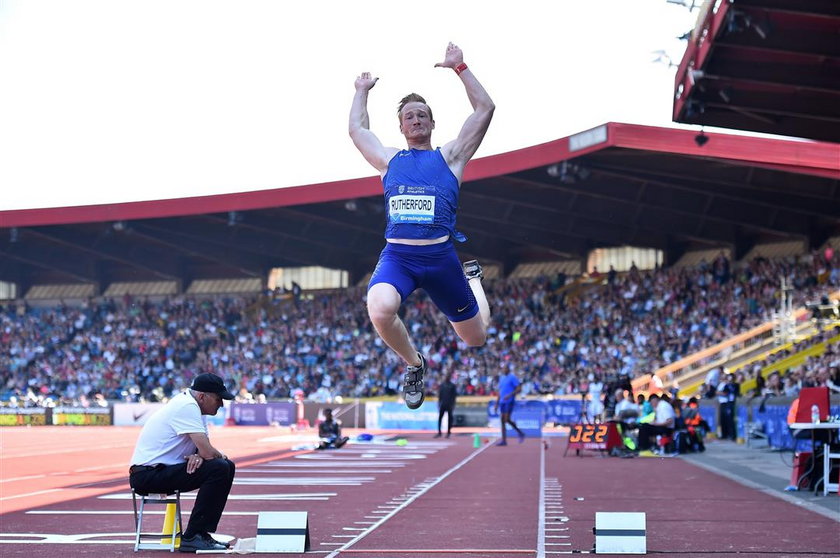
(213, 480)
(648, 431)
(441, 412)
(727, 421)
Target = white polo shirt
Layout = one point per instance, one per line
(165, 436)
(664, 412)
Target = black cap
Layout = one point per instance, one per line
(210, 383)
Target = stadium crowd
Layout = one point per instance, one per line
(554, 336)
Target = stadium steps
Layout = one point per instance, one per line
(690, 371)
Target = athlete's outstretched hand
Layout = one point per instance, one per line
(453, 57)
(365, 82)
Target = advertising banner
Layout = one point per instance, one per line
(262, 414)
(382, 414)
(529, 421)
(82, 416)
(134, 414)
(36, 416)
(563, 411)
(558, 411)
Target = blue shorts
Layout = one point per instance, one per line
(506, 407)
(434, 268)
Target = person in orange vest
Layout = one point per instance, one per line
(695, 425)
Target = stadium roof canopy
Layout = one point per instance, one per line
(614, 185)
(763, 65)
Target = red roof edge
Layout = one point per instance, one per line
(815, 158)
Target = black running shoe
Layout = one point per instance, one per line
(472, 269)
(413, 384)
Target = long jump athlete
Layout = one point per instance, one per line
(421, 186)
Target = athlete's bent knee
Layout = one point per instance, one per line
(383, 304)
(381, 315)
(476, 340)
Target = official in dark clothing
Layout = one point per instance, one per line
(446, 404)
(727, 393)
(330, 432)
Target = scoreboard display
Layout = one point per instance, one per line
(597, 437)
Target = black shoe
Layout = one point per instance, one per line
(341, 441)
(413, 384)
(472, 269)
(447, 434)
(200, 542)
(438, 435)
(225, 544)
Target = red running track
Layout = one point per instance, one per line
(63, 492)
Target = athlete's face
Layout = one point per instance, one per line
(415, 121)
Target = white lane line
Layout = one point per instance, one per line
(118, 512)
(57, 452)
(312, 471)
(407, 502)
(367, 460)
(334, 464)
(121, 466)
(316, 496)
(303, 481)
(541, 508)
(28, 494)
(15, 479)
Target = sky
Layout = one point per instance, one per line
(105, 101)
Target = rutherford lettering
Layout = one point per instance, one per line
(404, 203)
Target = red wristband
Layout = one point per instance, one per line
(460, 68)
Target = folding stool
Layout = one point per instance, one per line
(159, 544)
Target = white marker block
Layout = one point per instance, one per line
(620, 533)
(282, 532)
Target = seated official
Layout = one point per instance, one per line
(174, 452)
(626, 410)
(330, 432)
(662, 423)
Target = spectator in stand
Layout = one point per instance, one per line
(791, 386)
(133, 349)
(773, 387)
(825, 379)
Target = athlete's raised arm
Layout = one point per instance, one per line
(366, 141)
(459, 151)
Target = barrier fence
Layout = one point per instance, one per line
(767, 417)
